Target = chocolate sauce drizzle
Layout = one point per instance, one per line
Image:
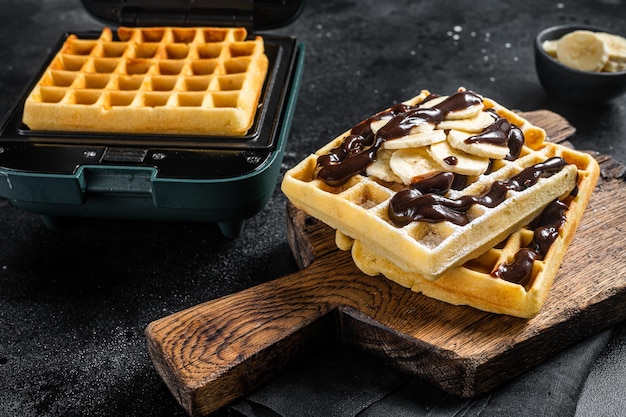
(546, 227)
(501, 133)
(425, 200)
(360, 146)
(357, 150)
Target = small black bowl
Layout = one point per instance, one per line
(570, 85)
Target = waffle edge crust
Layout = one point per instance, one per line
(444, 261)
(158, 80)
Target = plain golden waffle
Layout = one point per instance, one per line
(191, 81)
(477, 283)
(359, 206)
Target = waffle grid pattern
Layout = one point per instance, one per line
(204, 81)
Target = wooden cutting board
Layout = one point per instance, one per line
(218, 351)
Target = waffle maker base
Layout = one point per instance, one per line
(64, 175)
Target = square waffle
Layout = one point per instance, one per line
(358, 205)
(163, 80)
(508, 278)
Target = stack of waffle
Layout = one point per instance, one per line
(455, 197)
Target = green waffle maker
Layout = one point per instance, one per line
(220, 180)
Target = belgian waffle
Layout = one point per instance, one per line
(477, 282)
(163, 80)
(359, 206)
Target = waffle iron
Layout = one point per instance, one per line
(161, 177)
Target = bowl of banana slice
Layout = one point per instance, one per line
(581, 65)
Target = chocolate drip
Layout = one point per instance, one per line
(515, 143)
(357, 150)
(496, 133)
(460, 182)
(451, 160)
(437, 184)
(501, 133)
(402, 124)
(552, 219)
(349, 159)
(518, 271)
(425, 201)
(419, 203)
(547, 227)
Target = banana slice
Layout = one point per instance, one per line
(432, 102)
(422, 128)
(413, 164)
(582, 50)
(457, 161)
(377, 124)
(416, 140)
(456, 139)
(550, 47)
(615, 45)
(380, 168)
(473, 125)
(612, 66)
(466, 113)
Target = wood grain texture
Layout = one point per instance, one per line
(216, 352)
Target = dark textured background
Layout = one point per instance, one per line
(74, 302)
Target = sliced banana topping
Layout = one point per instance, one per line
(473, 125)
(435, 146)
(582, 50)
(411, 165)
(416, 140)
(422, 128)
(380, 168)
(457, 140)
(457, 161)
(466, 113)
(433, 102)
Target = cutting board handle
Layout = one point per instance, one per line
(218, 351)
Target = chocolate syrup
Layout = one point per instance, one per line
(501, 133)
(496, 134)
(356, 152)
(520, 270)
(359, 148)
(419, 203)
(547, 227)
(437, 184)
(351, 158)
(515, 143)
(551, 220)
(451, 160)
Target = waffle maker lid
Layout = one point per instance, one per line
(258, 15)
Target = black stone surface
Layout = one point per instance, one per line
(74, 302)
